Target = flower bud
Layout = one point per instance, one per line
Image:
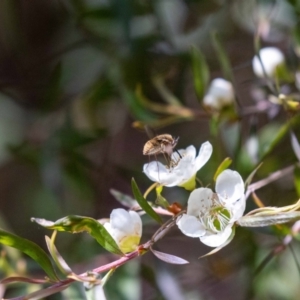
(126, 229)
(219, 95)
(271, 58)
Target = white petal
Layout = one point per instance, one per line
(158, 172)
(177, 175)
(137, 222)
(123, 224)
(204, 155)
(190, 151)
(216, 240)
(230, 186)
(200, 200)
(185, 169)
(190, 226)
(115, 233)
(120, 219)
(238, 209)
(220, 93)
(271, 57)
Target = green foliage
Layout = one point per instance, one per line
(222, 57)
(297, 179)
(143, 202)
(75, 224)
(31, 249)
(223, 166)
(200, 72)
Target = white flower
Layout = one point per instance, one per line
(125, 228)
(220, 94)
(271, 59)
(210, 216)
(185, 167)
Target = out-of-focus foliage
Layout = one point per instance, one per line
(78, 82)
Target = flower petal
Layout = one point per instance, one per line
(190, 226)
(158, 172)
(220, 94)
(271, 58)
(200, 200)
(137, 222)
(216, 240)
(126, 228)
(203, 156)
(120, 219)
(230, 186)
(185, 166)
(238, 209)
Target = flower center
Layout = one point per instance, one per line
(217, 217)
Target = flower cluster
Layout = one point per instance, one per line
(210, 215)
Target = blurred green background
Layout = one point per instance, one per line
(76, 75)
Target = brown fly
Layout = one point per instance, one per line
(162, 144)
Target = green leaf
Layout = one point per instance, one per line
(138, 111)
(143, 202)
(200, 72)
(268, 219)
(250, 177)
(295, 145)
(160, 200)
(60, 262)
(223, 57)
(31, 249)
(297, 179)
(223, 166)
(76, 224)
(281, 132)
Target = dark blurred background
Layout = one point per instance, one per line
(69, 76)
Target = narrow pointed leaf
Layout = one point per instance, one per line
(270, 210)
(250, 177)
(200, 72)
(60, 262)
(143, 202)
(41, 294)
(222, 57)
(297, 179)
(76, 224)
(31, 249)
(295, 145)
(223, 166)
(283, 130)
(23, 279)
(171, 259)
(268, 219)
(124, 199)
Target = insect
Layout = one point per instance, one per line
(162, 144)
